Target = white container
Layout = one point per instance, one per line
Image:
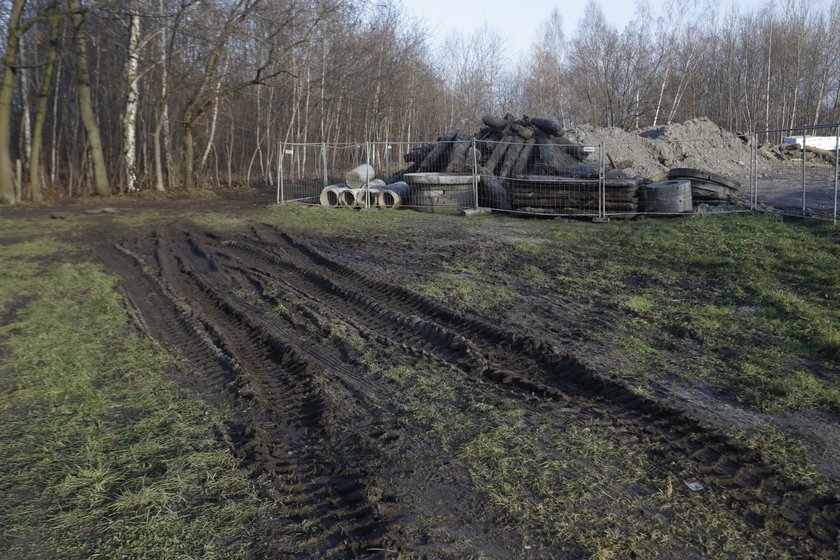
(819, 142)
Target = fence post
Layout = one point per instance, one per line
(280, 156)
(754, 174)
(836, 167)
(324, 163)
(602, 189)
(475, 173)
(367, 175)
(804, 153)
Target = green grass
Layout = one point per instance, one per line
(465, 291)
(789, 456)
(584, 490)
(736, 302)
(576, 484)
(104, 457)
(350, 223)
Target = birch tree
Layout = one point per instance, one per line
(132, 76)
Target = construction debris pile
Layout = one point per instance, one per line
(532, 165)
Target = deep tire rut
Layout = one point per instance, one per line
(186, 291)
(286, 432)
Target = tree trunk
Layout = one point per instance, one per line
(43, 101)
(767, 92)
(164, 80)
(823, 86)
(214, 119)
(7, 91)
(131, 101)
(189, 164)
(25, 119)
(100, 175)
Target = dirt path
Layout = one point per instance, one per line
(297, 342)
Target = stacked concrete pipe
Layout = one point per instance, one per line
(395, 195)
(372, 188)
(331, 195)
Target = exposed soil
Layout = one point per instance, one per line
(257, 313)
(698, 143)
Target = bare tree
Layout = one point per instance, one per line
(54, 16)
(86, 106)
(7, 91)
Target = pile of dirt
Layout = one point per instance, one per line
(698, 143)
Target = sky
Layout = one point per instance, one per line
(519, 20)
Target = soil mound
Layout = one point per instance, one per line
(698, 143)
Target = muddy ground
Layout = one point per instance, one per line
(323, 352)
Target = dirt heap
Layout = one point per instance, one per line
(698, 143)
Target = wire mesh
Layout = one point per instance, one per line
(796, 171)
(773, 171)
(663, 173)
(306, 169)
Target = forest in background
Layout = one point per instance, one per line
(107, 96)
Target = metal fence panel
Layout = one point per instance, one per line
(795, 177)
(726, 173)
(305, 169)
(712, 175)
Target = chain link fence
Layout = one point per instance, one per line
(795, 171)
(787, 171)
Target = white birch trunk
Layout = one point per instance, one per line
(164, 81)
(661, 94)
(215, 118)
(24, 98)
(54, 143)
(132, 100)
(767, 91)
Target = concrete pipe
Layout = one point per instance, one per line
(360, 175)
(331, 195)
(373, 187)
(347, 198)
(395, 195)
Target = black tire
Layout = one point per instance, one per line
(708, 176)
(709, 188)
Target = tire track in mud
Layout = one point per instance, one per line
(270, 362)
(285, 430)
(482, 349)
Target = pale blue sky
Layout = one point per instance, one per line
(519, 20)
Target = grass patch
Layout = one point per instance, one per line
(22, 263)
(786, 454)
(103, 456)
(572, 483)
(774, 389)
(733, 301)
(349, 223)
(464, 292)
(587, 492)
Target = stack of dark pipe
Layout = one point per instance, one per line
(525, 164)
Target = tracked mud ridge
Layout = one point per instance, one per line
(185, 287)
(285, 431)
